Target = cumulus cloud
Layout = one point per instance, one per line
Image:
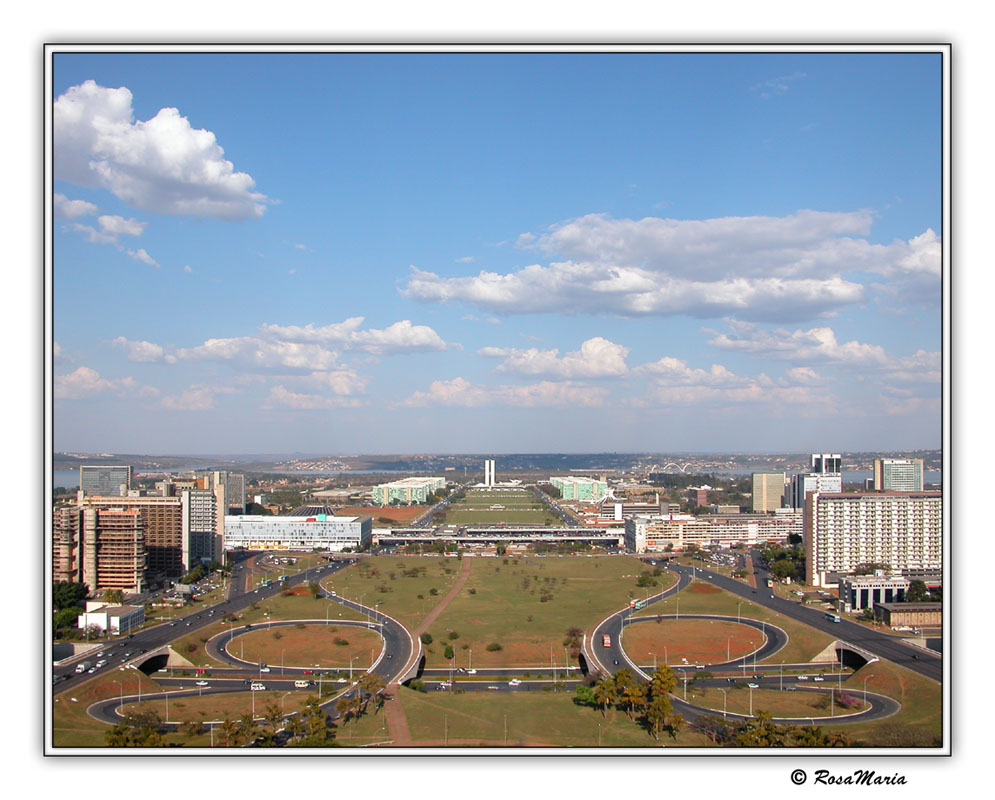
(570, 287)
(196, 398)
(777, 86)
(145, 258)
(815, 344)
(85, 382)
(161, 165)
(672, 371)
(145, 352)
(760, 268)
(281, 397)
(72, 209)
(399, 337)
(111, 227)
(460, 392)
(250, 351)
(597, 358)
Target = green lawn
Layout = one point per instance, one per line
(533, 719)
(502, 602)
(516, 508)
(381, 579)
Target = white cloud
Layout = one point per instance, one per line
(399, 337)
(188, 269)
(777, 86)
(815, 344)
(72, 209)
(86, 382)
(763, 268)
(460, 392)
(674, 371)
(162, 164)
(111, 227)
(465, 260)
(629, 291)
(258, 353)
(200, 398)
(145, 258)
(145, 352)
(281, 397)
(597, 358)
(804, 375)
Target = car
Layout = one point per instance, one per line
(754, 591)
(514, 682)
(699, 666)
(91, 670)
(309, 672)
(258, 687)
(772, 597)
(302, 684)
(492, 688)
(818, 678)
(201, 683)
(803, 677)
(469, 671)
(753, 685)
(172, 624)
(341, 680)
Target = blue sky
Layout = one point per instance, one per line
(494, 253)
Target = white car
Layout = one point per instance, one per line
(818, 678)
(753, 685)
(302, 684)
(202, 683)
(471, 672)
(514, 682)
(803, 677)
(258, 687)
(264, 669)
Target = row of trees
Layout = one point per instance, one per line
(762, 731)
(310, 728)
(648, 704)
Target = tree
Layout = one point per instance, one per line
(426, 638)
(763, 732)
(605, 693)
(917, 593)
(66, 594)
(315, 590)
(584, 696)
(139, 729)
(115, 596)
(66, 617)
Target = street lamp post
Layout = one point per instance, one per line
(865, 688)
(724, 698)
(281, 661)
(728, 650)
(350, 666)
(751, 702)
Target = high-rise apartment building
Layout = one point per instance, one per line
(110, 481)
(67, 563)
(825, 475)
(768, 491)
(898, 474)
(893, 531)
(113, 549)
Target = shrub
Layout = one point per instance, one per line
(426, 638)
(340, 641)
(453, 635)
(493, 647)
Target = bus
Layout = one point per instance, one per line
(606, 640)
(770, 584)
(640, 604)
(833, 617)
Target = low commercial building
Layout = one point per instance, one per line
(913, 615)
(319, 532)
(407, 491)
(115, 619)
(858, 592)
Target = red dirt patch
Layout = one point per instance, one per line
(402, 514)
(703, 588)
(699, 641)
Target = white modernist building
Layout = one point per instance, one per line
(320, 532)
(678, 531)
(407, 490)
(897, 530)
(116, 619)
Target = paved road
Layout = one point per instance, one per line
(121, 651)
(880, 644)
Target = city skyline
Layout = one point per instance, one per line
(497, 252)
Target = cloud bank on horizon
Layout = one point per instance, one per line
(708, 331)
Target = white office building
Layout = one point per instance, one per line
(318, 532)
(898, 474)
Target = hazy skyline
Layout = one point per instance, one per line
(497, 253)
